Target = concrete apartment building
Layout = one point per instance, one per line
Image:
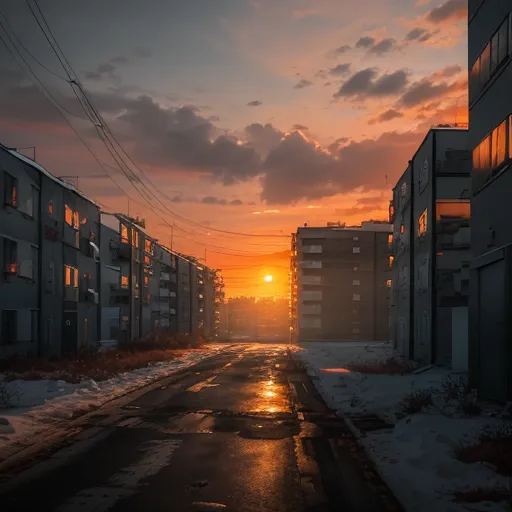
(430, 213)
(50, 256)
(343, 280)
(168, 289)
(490, 139)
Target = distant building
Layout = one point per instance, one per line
(430, 212)
(343, 282)
(490, 139)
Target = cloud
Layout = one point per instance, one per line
(263, 138)
(254, 103)
(303, 83)
(384, 46)
(107, 69)
(141, 52)
(341, 50)
(449, 71)
(340, 69)
(365, 42)
(365, 84)
(213, 200)
(236, 202)
(299, 127)
(453, 10)
(388, 115)
(415, 34)
(424, 90)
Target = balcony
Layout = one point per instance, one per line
(310, 264)
(120, 251)
(314, 295)
(312, 249)
(164, 292)
(165, 276)
(70, 294)
(311, 309)
(310, 280)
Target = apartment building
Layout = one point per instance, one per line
(490, 139)
(50, 254)
(430, 213)
(343, 282)
(168, 291)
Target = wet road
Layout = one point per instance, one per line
(242, 432)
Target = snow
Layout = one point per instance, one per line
(44, 404)
(415, 456)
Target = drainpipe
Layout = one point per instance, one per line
(433, 316)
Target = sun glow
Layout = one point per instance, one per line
(268, 278)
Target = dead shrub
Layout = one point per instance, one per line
(391, 366)
(417, 401)
(479, 494)
(492, 445)
(9, 395)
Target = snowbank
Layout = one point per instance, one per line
(415, 456)
(44, 404)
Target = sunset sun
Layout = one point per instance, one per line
(268, 278)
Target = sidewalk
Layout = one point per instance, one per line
(411, 425)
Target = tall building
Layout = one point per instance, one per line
(490, 139)
(343, 282)
(430, 213)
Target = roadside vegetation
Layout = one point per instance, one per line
(101, 365)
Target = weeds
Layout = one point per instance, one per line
(417, 401)
(492, 445)
(479, 494)
(9, 395)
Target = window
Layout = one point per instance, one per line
(390, 239)
(146, 280)
(402, 229)
(356, 297)
(9, 326)
(355, 239)
(355, 268)
(403, 189)
(499, 145)
(135, 238)
(50, 208)
(70, 276)
(147, 260)
(475, 78)
(390, 261)
(147, 246)
(422, 223)
(355, 330)
(388, 283)
(76, 220)
(356, 282)
(124, 281)
(148, 299)
(10, 256)
(356, 250)
(72, 218)
(10, 190)
(485, 65)
(124, 234)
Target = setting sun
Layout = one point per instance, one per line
(268, 279)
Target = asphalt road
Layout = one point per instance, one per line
(242, 432)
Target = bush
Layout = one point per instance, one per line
(492, 445)
(417, 401)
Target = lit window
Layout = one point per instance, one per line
(148, 300)
(124, 281)
(356, 250)
(135, 238)
(68, 215)
(11, 190)
(146, 280)
(402, 229)
(124, 234)
(70, 276)
(50, 208)
(356, 297)
(10, 256)
(388, 283)
(76, 220)
(147, 261)
(356, 282)
(390, 239)
(147, 246)
(485, 65)
(391, 258)
(422, 223)
(475, 77)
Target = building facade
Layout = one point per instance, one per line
(431, 249)
(343, 282)
(490, 139)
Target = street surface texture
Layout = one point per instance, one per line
(244, 431)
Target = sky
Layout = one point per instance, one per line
(248, 116)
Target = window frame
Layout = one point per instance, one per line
(423, 223)
(125, 234)
(11, 185)
(73, 276)
(10, 261)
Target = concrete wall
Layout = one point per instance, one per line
(20, 225)
(184, 296)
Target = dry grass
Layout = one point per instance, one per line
(101, 365)
(479, 494)
(492, 445)
(417, 401)
(391, 366)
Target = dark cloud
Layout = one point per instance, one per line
(449, 71)
(321, 74)
(365, 42)
(416, 33)
(340, 69)
(342, 49)
(422, 91)
(384, 46)
(303, 83)
(176, 198)
(236, 202)
(388, 115)
(263, 138)
(120, 59)
(213, 200)
(366, 84)
(453, 10)
(299, 127)
(107, 69)
(254, 103)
